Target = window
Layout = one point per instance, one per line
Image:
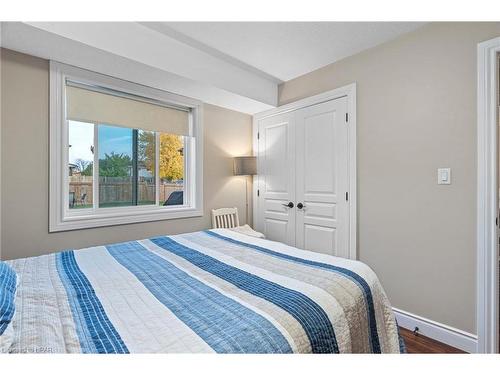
(120, 152)
(126, 160)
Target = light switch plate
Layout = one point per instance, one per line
(444, 176)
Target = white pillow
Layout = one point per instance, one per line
(246, 229)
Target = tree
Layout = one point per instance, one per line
(171, 158)
(115, 165)
(88, 170)
(84, 166)
(146, 149)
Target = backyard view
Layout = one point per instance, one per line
(126, 166)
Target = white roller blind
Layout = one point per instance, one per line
(97, 107)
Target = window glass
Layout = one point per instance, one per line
(171, 161)
(81, 162)
(115, 166)
(127, 166)
(146, 167)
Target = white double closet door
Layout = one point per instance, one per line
(303, 178)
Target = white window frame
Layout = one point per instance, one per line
(61, 218)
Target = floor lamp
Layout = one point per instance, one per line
(245, 166)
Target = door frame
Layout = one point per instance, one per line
(348, 91)
(487, 196)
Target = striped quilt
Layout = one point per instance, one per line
(211, 291)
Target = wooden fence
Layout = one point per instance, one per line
(116, 190)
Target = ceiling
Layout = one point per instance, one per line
(286, 50)
(236, 65)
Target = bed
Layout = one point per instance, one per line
(210, 291)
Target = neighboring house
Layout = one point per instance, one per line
(74, 170)
(144, 172)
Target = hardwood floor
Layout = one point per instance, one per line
(421, 344)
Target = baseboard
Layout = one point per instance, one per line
(441, 332)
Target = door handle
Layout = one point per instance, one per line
(289, 204)
(300, 206)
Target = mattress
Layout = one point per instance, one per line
(214, 291)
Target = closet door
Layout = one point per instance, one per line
(276, 176)
(322, 178)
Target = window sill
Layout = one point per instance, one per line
(120, 217)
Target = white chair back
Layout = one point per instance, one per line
(225, 218)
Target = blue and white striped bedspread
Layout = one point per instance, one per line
(213, 291)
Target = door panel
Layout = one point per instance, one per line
(276, 154)
(322, 178)
(319, 238)
(276, 178)
(276, 230)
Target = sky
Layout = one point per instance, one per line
(81, 138)
(114, 139)
(111, 138)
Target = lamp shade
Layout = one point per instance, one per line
(245, 165)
